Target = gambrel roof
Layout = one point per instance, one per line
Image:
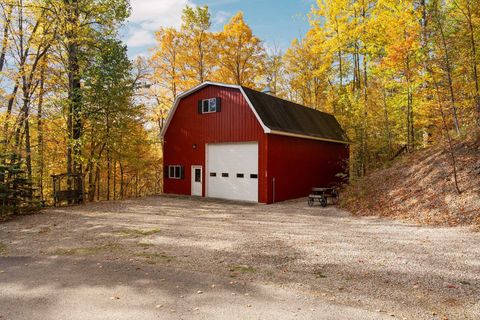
(286, 116)
(279, 116)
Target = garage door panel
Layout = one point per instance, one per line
(227, 161)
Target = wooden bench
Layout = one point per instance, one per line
(321, 195)
(74, 196)
(68, 188)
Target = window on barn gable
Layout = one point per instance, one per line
(209, 105)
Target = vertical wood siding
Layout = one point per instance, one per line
(299, 164)
(234, 123)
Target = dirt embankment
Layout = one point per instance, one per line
(420, 187)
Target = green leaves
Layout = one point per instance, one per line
(16, 191)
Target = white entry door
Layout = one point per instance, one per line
(232, 171)
(196, 181)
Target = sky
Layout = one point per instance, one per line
(276, 22)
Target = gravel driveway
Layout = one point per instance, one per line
(182, 258)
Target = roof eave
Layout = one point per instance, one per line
(296, 135)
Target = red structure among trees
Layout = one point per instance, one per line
(228, 141)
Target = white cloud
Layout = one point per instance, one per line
(156, 13)
(141, 55)
(140, 38)
(149, 15)
(221, 17)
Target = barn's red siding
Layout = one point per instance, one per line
(299, 164)
(235, 123)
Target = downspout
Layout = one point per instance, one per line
(273, 187)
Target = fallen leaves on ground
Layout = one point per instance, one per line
(419, 187)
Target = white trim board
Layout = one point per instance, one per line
(235, 86)
(296, 135)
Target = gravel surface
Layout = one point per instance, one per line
(183, 258)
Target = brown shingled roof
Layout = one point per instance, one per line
(286, 116)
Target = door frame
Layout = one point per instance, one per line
(192, 180)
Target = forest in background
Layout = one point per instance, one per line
(68, 104)
(398, 75)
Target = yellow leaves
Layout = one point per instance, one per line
(164, 60)
(184, 58)
(307, 69)
(237, 28)
(239, 53)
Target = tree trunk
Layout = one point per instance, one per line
(365, 96)
(114, 180)
(108, 174)
(387, 123)
(28, 150)
(410, 125)
(474, 61)
(91, 182)
(448, 70)
(122, 193)
(340, 62)
(450, 151)
(136, 184)
(424, 24)
(25, 122)
(447, 132)
(5, 36)
(11, 101)
(97, 178)
(74, 90)
(108, 153)
(40, 160)
(91, 173)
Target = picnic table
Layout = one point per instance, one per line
(321, 195)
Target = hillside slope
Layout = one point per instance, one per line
(420, 187)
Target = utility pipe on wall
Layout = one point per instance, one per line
(273, 184)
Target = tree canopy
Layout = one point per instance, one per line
(398, 75)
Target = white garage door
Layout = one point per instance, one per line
(232, 171)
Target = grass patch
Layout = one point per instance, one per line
(270, 272)
(242, 269)
(144, 245)
(319, 274)
(138, 232)
(3, 249)
(86, 251)
(44, 230)
(152, 257)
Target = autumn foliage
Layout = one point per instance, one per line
(399, 75)
(67, 92)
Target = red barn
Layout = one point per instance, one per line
(231, 142)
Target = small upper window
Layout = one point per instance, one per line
(209, 105)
